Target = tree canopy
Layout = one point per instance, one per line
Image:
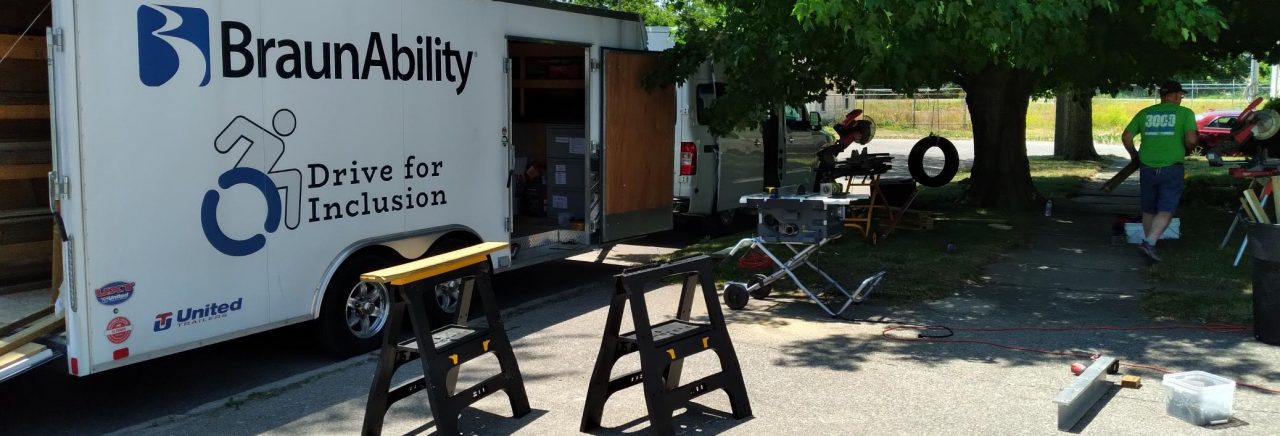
(1000, 51)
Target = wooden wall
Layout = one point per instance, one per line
(26, 243)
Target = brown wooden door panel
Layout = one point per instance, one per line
(639, 136)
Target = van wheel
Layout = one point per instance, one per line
(353, 315)
(720, 222)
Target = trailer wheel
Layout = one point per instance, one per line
(448, 295)
(950, 161)
(353, 315)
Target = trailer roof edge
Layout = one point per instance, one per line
(569, 7)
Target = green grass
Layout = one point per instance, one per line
(918, 266)
(1196, 281)
(947, 117)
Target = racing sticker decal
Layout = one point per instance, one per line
(114, 293)
(119, 329)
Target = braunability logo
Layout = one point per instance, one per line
(173, 41)
(175, 44)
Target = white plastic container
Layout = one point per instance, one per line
(1133, 231)
(1199, 397)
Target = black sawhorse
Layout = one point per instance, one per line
(664, 346)
(443, 349)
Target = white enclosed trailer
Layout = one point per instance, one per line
(226, 167)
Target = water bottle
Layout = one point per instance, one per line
(1048, 208)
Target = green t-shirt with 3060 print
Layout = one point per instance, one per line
(1163, 127)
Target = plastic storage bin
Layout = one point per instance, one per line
(1198, 397)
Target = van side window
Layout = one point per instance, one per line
(795, 118)
(707, 93)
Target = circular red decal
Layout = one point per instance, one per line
(119, 329)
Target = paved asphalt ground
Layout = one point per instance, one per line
(47, 401)
(810, 374)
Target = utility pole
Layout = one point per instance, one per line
(1252, 89)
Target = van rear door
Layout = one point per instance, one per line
(638, 127)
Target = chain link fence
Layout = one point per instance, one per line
(944, 108)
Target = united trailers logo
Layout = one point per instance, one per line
(195, 315)
(175, 41)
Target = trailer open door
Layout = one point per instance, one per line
(638, 127)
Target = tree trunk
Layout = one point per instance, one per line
(1073, 125)
(1001, 178)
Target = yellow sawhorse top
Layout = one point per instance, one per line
(435, 265)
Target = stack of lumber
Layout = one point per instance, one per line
(26, 226)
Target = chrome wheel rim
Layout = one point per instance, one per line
(448, 295)
(367, 308)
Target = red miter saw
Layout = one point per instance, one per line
(1252, 124)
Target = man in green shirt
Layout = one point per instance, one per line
(1168, 132)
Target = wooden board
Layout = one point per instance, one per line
(6, 330)
(31, 97)
(24, 75)
(22, 352)
(1259, 213)
(24, 171)
(1120, 177)
(24, 112)
(434, 265)
(28, 47)
(28, 152)
(19, 194)
(47, 324)
(639, 132)
(24, 130)
(13, 253)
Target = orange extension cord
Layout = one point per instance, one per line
(923, 336)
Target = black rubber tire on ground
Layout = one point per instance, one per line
(950, 161)
(331, 327)
(720, 222)
(764, 290)
(735, 296)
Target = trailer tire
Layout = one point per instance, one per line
(333, 329)
(950, 161)
(447, 301)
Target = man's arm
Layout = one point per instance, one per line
(1127, 139)
(1191, 139)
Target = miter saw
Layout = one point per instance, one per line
(1252, 124)
(856, 128)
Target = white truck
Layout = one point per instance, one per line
(712, 172)
(226, 167)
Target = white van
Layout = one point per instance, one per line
(227, 167)
(712, 172)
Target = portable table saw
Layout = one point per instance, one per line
(802, 224)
